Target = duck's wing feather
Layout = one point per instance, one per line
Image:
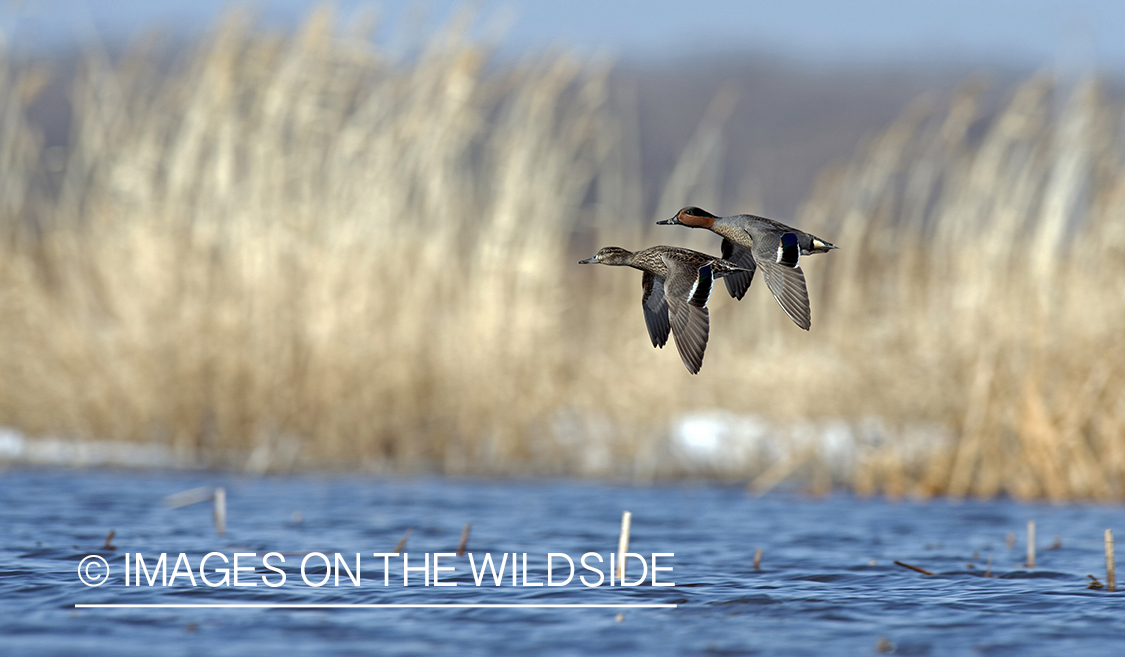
(687, 288)
(778, 259)
(656, 309)
(738, 282)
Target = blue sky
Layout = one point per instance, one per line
(1035, 33)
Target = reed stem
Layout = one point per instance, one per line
(401, 545)
(220, 497)
(1110, 567)
(623, 544)
(464, 539)
(914, 568)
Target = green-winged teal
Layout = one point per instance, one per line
(677, 285)
(750, 242)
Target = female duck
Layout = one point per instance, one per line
(750, 242)
(676, 286)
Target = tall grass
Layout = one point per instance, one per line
(295, 240)
(982, 288)
(300, 251)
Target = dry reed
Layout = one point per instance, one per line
(1110, 563)
(623, 545)
(464, 542)
(401, 545)
(976, 288)
(914, 568)
(297, 251)
(220, 511)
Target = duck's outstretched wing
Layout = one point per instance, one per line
(656, 309)
(738, 282)
(778, 260)
(687, 289)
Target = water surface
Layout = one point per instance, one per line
(827, 583)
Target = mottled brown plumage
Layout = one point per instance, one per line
(676, 286)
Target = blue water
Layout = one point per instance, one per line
(827, 584)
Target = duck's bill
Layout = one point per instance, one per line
(588, 261)
(668, 222)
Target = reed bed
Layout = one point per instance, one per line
(979, 290)
(293, 242)
(300, 252)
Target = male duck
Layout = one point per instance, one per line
(677, 285)
(750, 242)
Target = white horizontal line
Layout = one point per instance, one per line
(247, 605)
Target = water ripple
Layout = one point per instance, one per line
(827, 583)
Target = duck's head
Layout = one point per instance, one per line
(691, 216)
(610, 255)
